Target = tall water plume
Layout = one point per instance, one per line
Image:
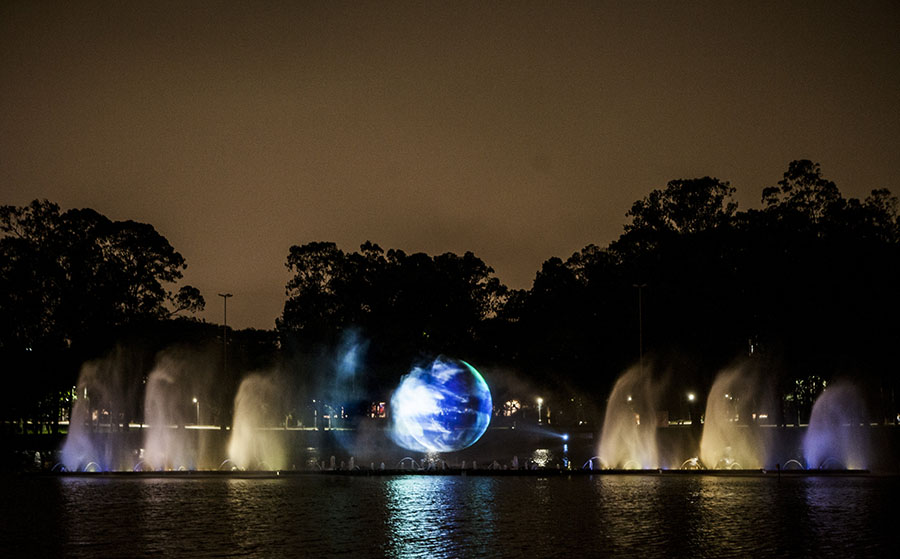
(258, 409)
(729, 438)
(103, 405)
(345, 391)
(166, 412)
(835, 438)
(346, 384)
(628, 439)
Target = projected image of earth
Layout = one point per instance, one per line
(441, 408)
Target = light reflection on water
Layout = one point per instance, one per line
(439, 516)
(424, 516)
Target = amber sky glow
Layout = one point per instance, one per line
(518, 130)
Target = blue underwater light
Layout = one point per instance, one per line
(441, 408)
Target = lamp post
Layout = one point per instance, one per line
(540, 402)
(639, 287)
(197, 403)
(225, 297)
(690, 399)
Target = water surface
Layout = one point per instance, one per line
(447, 516)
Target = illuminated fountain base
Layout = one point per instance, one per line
(306, 449)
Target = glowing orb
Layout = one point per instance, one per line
(443, 408)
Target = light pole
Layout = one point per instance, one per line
(197, 402)
(225, 297)
(690, 399)
(540, 401)
(639, 287)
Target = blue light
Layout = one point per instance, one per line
(442, 408)
(566, 437)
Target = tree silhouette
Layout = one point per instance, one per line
(68, 282)
(809, 281)
(409, 305)
(85, 274)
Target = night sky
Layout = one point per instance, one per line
(519, 131)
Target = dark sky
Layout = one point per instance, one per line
(519, 131)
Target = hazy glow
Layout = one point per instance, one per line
(166, 448)
(727, 443)
(624, 443)
(444, 408)
(834, 438)
(256, 406)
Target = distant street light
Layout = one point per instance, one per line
(690, 398)
(197, 402)
(540, 401)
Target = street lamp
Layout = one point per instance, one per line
(691, 398)
(639, 287)
(225, 297)
(197, 402)
(540, 401)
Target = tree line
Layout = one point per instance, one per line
(804, 287)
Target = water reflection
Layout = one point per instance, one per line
(686, 516)
(837, 515)
(422, 516)
(439, 516)
(622, 507)
(734, 517)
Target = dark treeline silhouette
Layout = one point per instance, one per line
(407, 306)
(803, 289)
(69, 283)
(75, 285)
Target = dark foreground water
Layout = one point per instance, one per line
(418, 516)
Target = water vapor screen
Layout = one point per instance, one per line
(442, 408)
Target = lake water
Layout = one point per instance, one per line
(451, 516)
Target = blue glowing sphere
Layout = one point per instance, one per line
(441, 408)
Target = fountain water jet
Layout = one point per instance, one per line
(729, 441)
(834, 439)
(165, 442)
(101, 406)
(254, 443)
(628, 439)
